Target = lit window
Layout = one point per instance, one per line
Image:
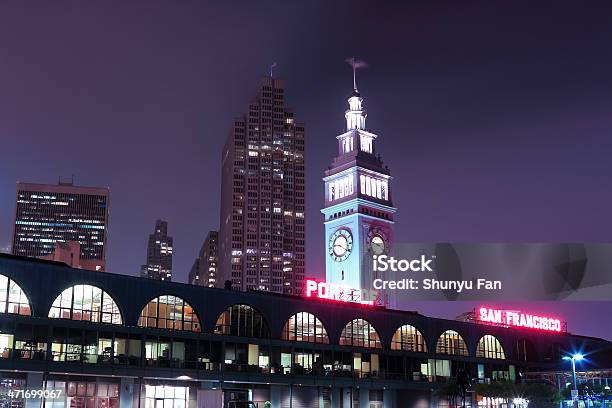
(360, 333)
(87, 303)
(341, 187)
(169, 312)
(451, 342)
(305, 327)
(12, 298)
(242, 320)
(490, 347)
(167, 396)
(408, 338)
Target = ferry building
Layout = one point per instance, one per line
(116, 341)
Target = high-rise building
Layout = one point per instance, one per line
(358, 208)
(262, 197)
(159, 254)
(49, 213)
(204, 269)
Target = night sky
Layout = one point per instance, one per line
(494, 117)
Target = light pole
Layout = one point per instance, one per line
(574, 358)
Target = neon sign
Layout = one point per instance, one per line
(518, 319)
(341, 293)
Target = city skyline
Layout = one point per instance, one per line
(485, 127)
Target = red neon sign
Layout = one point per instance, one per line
(518, 319)
(340, 293)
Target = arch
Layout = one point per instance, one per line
(169, 312)
(242, 320)
(13, 299)
(304, 326)
(360, 333)
(490, 347)
(86, 303)
(525, 350)
(408, 338)
(450, 342)
(553, 352)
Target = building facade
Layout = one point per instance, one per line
(48, 213)
(262, 220)
(111, 340)
(358, 212)
(205, 267)
(159, 254)
(68, 252)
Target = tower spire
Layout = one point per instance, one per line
(356, 64)
(355, 115)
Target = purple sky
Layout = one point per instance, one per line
(494, 120)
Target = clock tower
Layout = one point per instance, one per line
(358, 208)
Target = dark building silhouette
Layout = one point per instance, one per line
(205, 267)
(159, 254)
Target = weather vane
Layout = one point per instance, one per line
(356, 64)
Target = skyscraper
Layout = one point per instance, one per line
(358, 208)
(159, 254)
(205, 267)
(49, 213)
(262, 197)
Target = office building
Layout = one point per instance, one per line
(261, 237)
(205, 267)
(46, 214)
(159, 254)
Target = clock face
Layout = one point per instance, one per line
(378, 245)
(377, 240)
(340, 245)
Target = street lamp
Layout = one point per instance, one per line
(574, 358)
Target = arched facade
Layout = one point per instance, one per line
(13, 300)
(408, 338)
(360, 333)
(490, 347)
(304, 326)
(87, 303)
(450, 342)
(169, 312)
(242, 320)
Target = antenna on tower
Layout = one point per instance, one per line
(272, 69)
(356, 64)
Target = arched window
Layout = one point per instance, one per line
(524, 350)
(305, 326)
(85, 302)
(490, 347)
(169, 312)
(360, 333)
(12, 298)
(408, 338)
(451, 342)
(553, 352)
(242, 320)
